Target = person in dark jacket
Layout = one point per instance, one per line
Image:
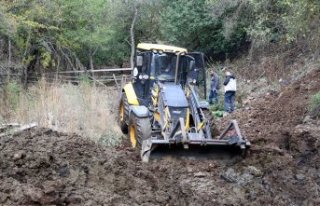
(214, 88)
(230, 88)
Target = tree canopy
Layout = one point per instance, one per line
(78, 34)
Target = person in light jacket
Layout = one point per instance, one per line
(230, 88)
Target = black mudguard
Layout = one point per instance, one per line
(139, 111)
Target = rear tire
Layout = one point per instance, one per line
(123, 113)
(213, 127)
(139, 130)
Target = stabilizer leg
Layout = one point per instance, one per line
(146, 150)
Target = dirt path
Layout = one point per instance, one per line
(42, 167)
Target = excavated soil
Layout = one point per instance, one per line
(43, 167)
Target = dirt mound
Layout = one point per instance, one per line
(273, 118)
(41, 167)
(286, 142)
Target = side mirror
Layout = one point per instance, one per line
(139, 61)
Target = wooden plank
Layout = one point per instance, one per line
(4, 127)
(94, 71)
(95, 80)
(18, 130)
(10, 125)
(115, 80)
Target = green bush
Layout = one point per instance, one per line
(218, 108)
(314, 105)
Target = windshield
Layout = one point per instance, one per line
(191, 69)
(165, 65)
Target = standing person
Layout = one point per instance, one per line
(214, 88)
(230, 88)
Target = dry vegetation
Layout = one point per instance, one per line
(86, 109)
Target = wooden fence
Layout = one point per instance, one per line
(105, 76)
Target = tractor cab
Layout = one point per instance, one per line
(161, 63)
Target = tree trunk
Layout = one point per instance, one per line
(25, 75)
(91, 67)
(91, 55)
(91, 62)
(132, 36)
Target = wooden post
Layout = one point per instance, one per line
(115, 80)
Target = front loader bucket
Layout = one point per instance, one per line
(229, 144)
(194, 152)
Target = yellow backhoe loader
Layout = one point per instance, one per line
(164, 104)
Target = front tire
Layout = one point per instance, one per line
(139, 130)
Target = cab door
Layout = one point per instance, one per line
(142, 74)
(201, 73)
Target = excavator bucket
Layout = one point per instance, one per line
(225, 145)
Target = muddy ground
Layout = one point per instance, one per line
(43, 167)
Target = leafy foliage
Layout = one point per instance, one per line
(284, 20)
(54, 34)
(194, 25)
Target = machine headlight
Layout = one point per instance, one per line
(143, 76)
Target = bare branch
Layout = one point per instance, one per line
(132, 35)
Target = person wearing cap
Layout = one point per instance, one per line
(214, 88)
(230, 88)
